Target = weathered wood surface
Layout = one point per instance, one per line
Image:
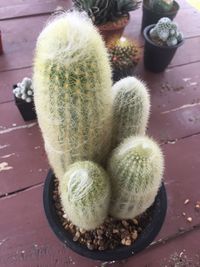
(25, 237)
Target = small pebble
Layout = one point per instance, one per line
(186, 201)
(123, 241)
(197, 207)
(135, 221)
(90, 246)
(184, 214)
(134, 235)
(189, 219)
(125, 223)
(128, 242)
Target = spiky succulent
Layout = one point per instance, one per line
(123, 54)
(24, 90)
(161, 5)
(166, 32)
(102, 11)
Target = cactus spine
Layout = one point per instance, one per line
(131, 107)
(72, 82)
(85, 194)
(136, 170)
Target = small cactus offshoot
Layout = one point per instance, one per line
(136, 171)
(85, 194)
(166, 33)
(124, 54)
(24, 90)
(161, 5)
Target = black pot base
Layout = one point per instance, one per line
(148, 234)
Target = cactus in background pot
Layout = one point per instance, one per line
(102, 11)
(131, 106)
(136, 171)
(72, 82)
(85, 194)
(166, 33)
(161, 5)
(24, 90)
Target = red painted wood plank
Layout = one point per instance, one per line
(187, 53)
(7, 79)
(182, 161)
(175, 124)
(17, 37)
(5, 3)
(173, 88)
(19, 41)
(27, 240)
(31, 9)
(183, 252)
(22, 158)
(164, 125)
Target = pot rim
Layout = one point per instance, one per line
(115, 25)
(175, 9)
(146, 237)
(147, 38)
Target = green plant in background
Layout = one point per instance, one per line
(85, 194)
(161, 5)
(136, 170)
(131, 107)
(166, 32)
(102, 11)
(72, 82)
(124, 54)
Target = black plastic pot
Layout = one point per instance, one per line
(146, 237)
(150, 16)
(27, 110)
(157, 58)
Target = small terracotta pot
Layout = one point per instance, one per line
(113, 30)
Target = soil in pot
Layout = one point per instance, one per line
(150, 16)
(111, 31)
(156, 57)
(113, 240)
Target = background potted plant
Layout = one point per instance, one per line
(161, 42)
(153, 10)
(106, 173)
(23, 96)
(110, 16)
(124, 56)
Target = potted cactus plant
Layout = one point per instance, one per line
(23, 96)
(153, 10)
(124, 56)
(161, 42)
(104, 197)
(110, 16)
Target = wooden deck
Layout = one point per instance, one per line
(25, 237)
